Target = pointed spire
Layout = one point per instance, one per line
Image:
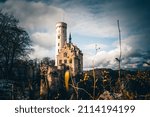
(70, 38)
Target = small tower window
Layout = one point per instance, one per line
(58, 37)
(65, 61)
(58, 50)
(70, 61)
(58, 44)
(65, 54)
(60, 61)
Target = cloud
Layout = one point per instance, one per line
(43, 39)
(102, 59)
(34, 15)
(94, 46)
(94, 19)
(39, 21)
(40, 52)
(86, 23)
(135, 52)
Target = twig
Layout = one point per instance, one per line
(82, 90)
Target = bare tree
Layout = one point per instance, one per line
(48, 61)
(14, 43)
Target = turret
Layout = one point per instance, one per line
(61, 38)
(70, 38)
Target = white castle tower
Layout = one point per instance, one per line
(61, 38)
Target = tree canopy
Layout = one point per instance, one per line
(15, 43)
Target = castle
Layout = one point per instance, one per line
(67, 54)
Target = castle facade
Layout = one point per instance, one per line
(67, 54)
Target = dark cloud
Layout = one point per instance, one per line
(2, 1)
(39, 17)
(134, 19)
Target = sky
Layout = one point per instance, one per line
(93, 24)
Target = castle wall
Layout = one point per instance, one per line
(72, 57)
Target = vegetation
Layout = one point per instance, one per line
(14, 44)
(22, 78)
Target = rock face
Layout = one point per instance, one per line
(50, 81)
